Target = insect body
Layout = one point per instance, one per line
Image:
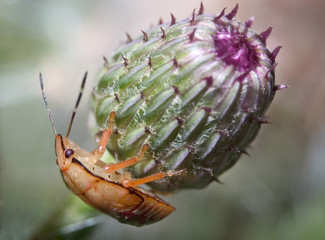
(100, 185)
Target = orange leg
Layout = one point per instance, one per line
(99, 151)
(132, 183)
(114, 167)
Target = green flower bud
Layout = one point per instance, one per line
(195, 90)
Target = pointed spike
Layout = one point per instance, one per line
(264, 35)
(142, 95)
(163, 36)
(270, 70)
(175, 63)
(145, 36)
(206, 109)
(265, 121)
(191, 35)
(275, 53)
(250, 22)
(201, 10)
(243, 76)
(173, 21)
(223, 133)
(158, 162)
(129, 38)
(147, 130)
(176, 90)
(160, 21)
(209, 80)
(220, 15)
(233, 12)
(126, 61)
(217, 180)
(193, 17)
(241, 151)
(179, 120)
(150, 63)
(279, 87)
(105, 61)
(93, 92)
(244, 152)
(116, 97)
(261, 120)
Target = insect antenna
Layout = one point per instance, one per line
(77, 103)
(46, 104)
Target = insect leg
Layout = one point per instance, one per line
(132, 183)
(126, 163)
(99, 151)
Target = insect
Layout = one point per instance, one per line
(101, 185)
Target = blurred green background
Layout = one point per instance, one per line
(277, 193)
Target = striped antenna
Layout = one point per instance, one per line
(46, 104)
(77, 104)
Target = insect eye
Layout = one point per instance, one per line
(68, 153)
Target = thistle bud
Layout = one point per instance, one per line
(194, 90)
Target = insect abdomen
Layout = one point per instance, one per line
(128, 205)
(151, 210)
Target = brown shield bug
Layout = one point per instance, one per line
(100, 184)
